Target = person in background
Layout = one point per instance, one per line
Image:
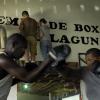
(29, 29)
(9, 68)
(45, 39)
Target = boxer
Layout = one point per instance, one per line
(9, 69)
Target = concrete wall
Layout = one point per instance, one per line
(71, 12)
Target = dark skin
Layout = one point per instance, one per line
(10, 66)
(19, 72)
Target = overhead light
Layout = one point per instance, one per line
(68, 8)
(16, 12)
(4, 2)
(96, 8)
(41, 0)
(55, 9)
(16, 1)
(25, 86)
(41, 10)
(29, 10)
(5, 13)
(82, 7)
(28, 0)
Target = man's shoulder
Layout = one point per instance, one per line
(29, 19)
(32, 19)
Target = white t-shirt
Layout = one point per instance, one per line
(90, 86)
(83, 90)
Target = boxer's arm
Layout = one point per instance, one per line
(19, 72)
(66, 71)
(57, 54)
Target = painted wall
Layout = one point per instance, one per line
(70, 12)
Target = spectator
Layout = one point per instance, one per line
(29, 29)
(10, 69)
(45, 40)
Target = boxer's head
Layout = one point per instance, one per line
(15, 46)
(92, 55)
